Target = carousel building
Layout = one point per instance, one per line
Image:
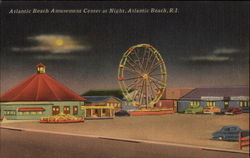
(39, 96)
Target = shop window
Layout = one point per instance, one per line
(33, 113)
(26, 113)
(194, 103)
(210, 103)
(39, 112)
(244, 104)
(9, 112)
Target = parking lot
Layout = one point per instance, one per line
(194, 129)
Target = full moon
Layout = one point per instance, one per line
(59, 42)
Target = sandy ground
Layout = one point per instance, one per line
(193, 129)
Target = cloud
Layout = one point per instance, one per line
(225, 51)
(56, 57)
(213, 58)
(217, 55)
(53, 44)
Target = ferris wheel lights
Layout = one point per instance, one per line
(161, 61)
(120, 79)
(149, 46)
(142, 69)
(131, 48)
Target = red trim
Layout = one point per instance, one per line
(40, 65)
(68, 121)
(139, 113)
(30, 109)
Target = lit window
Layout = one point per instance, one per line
(191, 103)
(241, 104)
(26, 113)
(33, 113)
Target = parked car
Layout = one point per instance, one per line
(228, 133)
(233, 110)
(122, 113)
(194, 110)
(211, 110)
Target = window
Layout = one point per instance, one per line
(194, 103)
(39, 112)
(210, 103)
(26, 113)
(9, 112)
(107, 104)
(75, 110)
(244, 104)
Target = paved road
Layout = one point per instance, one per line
(24, 144)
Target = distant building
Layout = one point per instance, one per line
(101, 106)
(219, 97)
(170, 97)
(39, 96)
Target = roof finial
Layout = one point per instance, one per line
(40, 68)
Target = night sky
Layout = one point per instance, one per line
(204, 44)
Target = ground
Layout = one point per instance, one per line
(194, 129)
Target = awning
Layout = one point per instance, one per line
(30, 109)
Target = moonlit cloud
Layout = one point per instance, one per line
(53, 44)
(225, 51)
(217, 55)
(210, 58)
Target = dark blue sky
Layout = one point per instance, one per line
(205, 44)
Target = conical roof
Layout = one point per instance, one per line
(40, 87)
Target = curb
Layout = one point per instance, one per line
(127, 140)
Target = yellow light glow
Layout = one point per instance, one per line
(59, 42)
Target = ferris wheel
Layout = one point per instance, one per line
(142, 75)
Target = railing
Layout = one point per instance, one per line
(243, 140)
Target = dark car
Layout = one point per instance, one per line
(122, 113)
(233, 110)
(228, 133)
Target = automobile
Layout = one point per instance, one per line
(229, 133)
(122, 113)
(194, 110)
(233, 110)
(211, 110)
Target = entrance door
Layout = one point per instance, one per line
(55, 110)
(66, 110)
